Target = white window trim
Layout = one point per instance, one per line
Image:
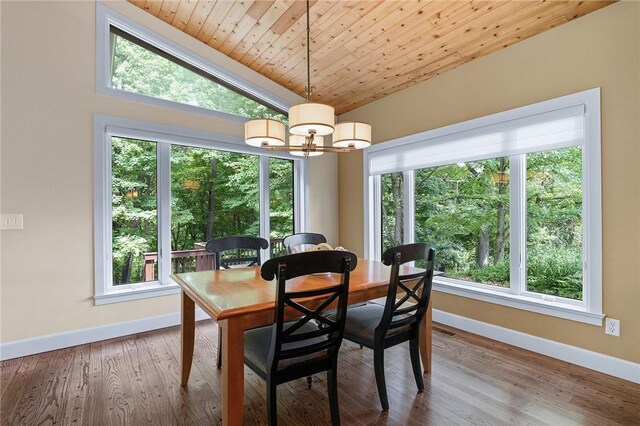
(105, 18)
(107, 126)
(587, 311)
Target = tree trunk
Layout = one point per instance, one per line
(396, 184)
(212, 202)
(571, 234)
(175, 235)
(482, 250)
(498, 255)
(126, 270)
(500, 234)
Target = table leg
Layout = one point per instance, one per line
(232, 372)
(425, 339)
(187, 336)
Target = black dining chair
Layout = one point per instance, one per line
(292, 350)
(379, 327)
(245, 251)
(240, 250)
(293, 241)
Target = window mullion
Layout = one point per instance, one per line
(375, 206)
(164, 211)
(518, 229)
(300, 199)
(265, 208)
(408, 201)
(107, 199)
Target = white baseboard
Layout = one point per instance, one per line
(595, 361)
(606, 364)
(79, 337)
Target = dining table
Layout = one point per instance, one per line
(239, 299)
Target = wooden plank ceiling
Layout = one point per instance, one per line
(362, 50)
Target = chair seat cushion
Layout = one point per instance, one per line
(257, 343)
(363, 320)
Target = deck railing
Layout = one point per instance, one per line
(198, 259)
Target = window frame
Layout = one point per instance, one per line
(106, 18)
(106, 127)
(589, 309)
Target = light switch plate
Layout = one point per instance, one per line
(11, 221)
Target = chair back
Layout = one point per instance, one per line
(403, 315)
(245, 250)
(302, 238)
(292, 343)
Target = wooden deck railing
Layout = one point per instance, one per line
(197, 259)
(181, 261)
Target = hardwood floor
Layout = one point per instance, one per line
(135, 380)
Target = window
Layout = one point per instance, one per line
(162, 192)
(463, 210)
(281, 201)
(392, 210)
(134, 62)
(511, 203)
(213, 194)
(554, 222)
(134, 209)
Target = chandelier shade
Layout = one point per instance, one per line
(311, 117)
(264, 132)
(299, 141)
(355, 135)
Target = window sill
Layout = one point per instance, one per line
(143, 292)
(555, 309)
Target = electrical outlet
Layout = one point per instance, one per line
(612, 327)
(11, 221)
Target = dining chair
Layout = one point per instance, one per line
(292, 350)
(292, 242)
(245, 252)
(379, 327)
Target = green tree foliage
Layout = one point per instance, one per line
(392, 210)
(554, 222)
(134, 211)
(139, 70)
(463, 210)
(281, 197)
(213, 193)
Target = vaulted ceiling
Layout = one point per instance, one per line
(362, 50)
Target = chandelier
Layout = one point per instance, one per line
(309, 124)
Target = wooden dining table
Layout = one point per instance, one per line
(239, 299)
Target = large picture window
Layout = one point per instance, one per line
(511, 203)
(162, 193)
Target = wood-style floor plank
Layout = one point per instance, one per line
(118, 383)
(78, 386)
(475, 381)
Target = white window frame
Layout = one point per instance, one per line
(589, 310)
(106, 127)
(105, 18)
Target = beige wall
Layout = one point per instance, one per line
(48, 102)
(599, 50)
